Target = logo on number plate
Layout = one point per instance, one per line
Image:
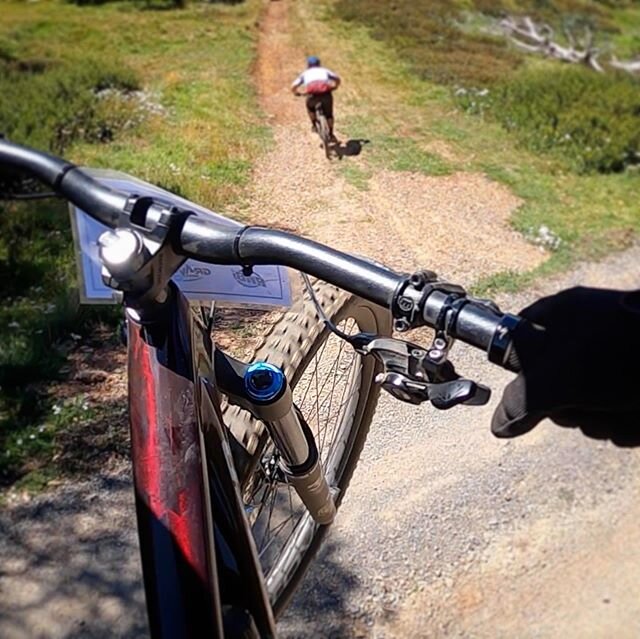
(192, 273)
(250, 281)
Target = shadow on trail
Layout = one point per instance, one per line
(70, 565)
(349, 148)
(324, 605)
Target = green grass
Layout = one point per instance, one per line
(395, 152)
(425, 32)
(356, 175)
(626, 42)
(195, 63)
(587, 118)
(196, 132)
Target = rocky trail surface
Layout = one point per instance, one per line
(445, 531)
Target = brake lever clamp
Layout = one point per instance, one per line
(411, 294)
(415, 375)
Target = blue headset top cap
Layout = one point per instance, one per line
(313, 61)
(263, 381)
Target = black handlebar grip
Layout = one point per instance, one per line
(523, 337)
(502, 350)
(512, 360)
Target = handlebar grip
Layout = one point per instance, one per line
(530, 338)
(512, 361)
(484, 326)
(521, 336)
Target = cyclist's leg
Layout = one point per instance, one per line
(311, 102)
(327, 106)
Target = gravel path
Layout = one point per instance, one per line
(70, 564)
(406, 220)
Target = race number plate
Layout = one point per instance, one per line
(200, 282)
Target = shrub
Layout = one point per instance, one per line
(591, 120)
(427, 34)
(52, 106)
(48, 106)
(571, 13)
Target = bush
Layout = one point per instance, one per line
(435, 36)
(49, 106)
(570, 13)
(52, 106)
(591, 120)
(427, 34)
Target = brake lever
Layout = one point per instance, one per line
(443, 395)
(415, 375)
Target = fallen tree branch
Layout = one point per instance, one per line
(538, 38)
(630, 66)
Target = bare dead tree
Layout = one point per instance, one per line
(538, 38)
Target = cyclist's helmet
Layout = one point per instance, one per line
(313, 61)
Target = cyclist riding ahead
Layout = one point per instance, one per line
(318, 84)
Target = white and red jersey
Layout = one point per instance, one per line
(316, 80)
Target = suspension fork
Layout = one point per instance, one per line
(263, 390)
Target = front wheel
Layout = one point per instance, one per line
(333, 387)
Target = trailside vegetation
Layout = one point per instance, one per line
(163, 93)
(589, 121)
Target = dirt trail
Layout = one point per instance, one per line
(457, 224)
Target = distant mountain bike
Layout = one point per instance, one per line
(321, 126)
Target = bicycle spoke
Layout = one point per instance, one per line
(337, 366)
(316, 359)
(274, 494)
(276, 530)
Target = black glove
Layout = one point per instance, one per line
(580, 366)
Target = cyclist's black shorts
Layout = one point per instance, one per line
(325, 99)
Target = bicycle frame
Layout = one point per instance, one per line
(193, 531)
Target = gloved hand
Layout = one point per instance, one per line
(580, 366)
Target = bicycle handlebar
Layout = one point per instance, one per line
(471, 321)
